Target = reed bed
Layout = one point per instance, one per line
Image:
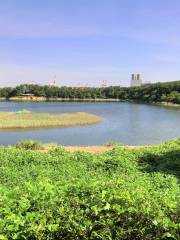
(25, 119)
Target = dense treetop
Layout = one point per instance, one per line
(157, 92)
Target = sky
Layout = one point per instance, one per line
(84, 42)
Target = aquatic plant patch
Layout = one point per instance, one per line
(23, 120)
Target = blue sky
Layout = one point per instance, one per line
(82, 42)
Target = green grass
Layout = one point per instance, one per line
(25, 119)
(121, 194)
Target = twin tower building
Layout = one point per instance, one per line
(136, 80)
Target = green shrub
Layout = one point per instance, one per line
(121, 194)
(30, 145)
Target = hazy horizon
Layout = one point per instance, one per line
(83, 42)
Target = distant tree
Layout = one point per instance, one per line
(157, 92)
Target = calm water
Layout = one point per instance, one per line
(135, 124)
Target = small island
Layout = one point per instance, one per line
(25, 120)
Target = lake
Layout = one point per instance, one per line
(127, 123)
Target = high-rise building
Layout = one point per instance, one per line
(133, 76)
(138, 77)
(136, 80)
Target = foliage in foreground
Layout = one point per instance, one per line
(121, 194)
(30, 145)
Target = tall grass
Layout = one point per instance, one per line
(23, 119)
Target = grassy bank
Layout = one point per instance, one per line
(44, 99)
(3, 99)
(23, 120)
(120, 194)
(167, 104)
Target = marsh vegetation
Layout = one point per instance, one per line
(26, 119)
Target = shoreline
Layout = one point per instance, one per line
(97, 149)
(43, 99)
(93, 100)
(167, 104)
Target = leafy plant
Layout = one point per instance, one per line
(30, 145)
(121, 194)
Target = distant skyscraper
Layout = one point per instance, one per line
(136, 80)
(133, 76)
(138, 77)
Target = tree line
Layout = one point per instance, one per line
(157, 92)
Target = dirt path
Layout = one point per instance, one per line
(91, 149)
